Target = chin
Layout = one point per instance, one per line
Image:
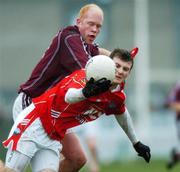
(117, 81)
(90, 42)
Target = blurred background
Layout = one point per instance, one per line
(26, 30)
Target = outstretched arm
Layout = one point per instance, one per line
(126, 124)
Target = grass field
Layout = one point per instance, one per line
(135, 166)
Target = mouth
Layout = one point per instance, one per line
(119, 77)
(92, 37)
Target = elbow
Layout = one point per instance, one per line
(68, 100)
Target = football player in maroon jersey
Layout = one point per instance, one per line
(173, 102)
(69, 50)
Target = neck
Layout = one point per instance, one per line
(114, 85)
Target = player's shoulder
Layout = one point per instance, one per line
(76, 78)
(119, 92)
(70, 30)
(79, 74)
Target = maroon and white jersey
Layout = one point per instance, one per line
(57, 116)
(174, 96)
(67, 53)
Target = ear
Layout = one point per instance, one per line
(134, 51)
(78, 21)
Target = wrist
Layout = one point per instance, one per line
(136, 143)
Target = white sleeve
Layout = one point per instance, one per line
(74, 95)
(126, 124)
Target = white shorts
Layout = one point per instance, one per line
(35, 144)
(44, 159)
(35, 138)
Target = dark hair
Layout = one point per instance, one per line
(123, 54)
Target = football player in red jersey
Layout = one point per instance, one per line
(37, 133)
(69, 50)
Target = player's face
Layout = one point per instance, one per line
(122, 70)
(90, 24)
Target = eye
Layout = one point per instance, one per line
(99, 26)
(126, 69)
(91, 24)
(118, 65)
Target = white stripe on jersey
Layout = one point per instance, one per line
(25, 121)
(21, 117)
(55, 114)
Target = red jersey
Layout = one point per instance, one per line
(67, 53)
(57, 116)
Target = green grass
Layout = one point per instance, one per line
(135, 166)
(139, 166)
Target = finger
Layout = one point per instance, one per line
(101, 80)
(108, 82)
(104, 82)
(91, 80)
(148, 156)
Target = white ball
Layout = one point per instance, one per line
(100, 66)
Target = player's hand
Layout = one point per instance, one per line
(143, 151)
(93, 88)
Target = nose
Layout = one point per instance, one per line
(95, 29)
(119, 70)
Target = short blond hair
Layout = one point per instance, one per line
(85, 8)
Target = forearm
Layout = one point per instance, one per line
(74, 95)
(126, 124)
(103, 51)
